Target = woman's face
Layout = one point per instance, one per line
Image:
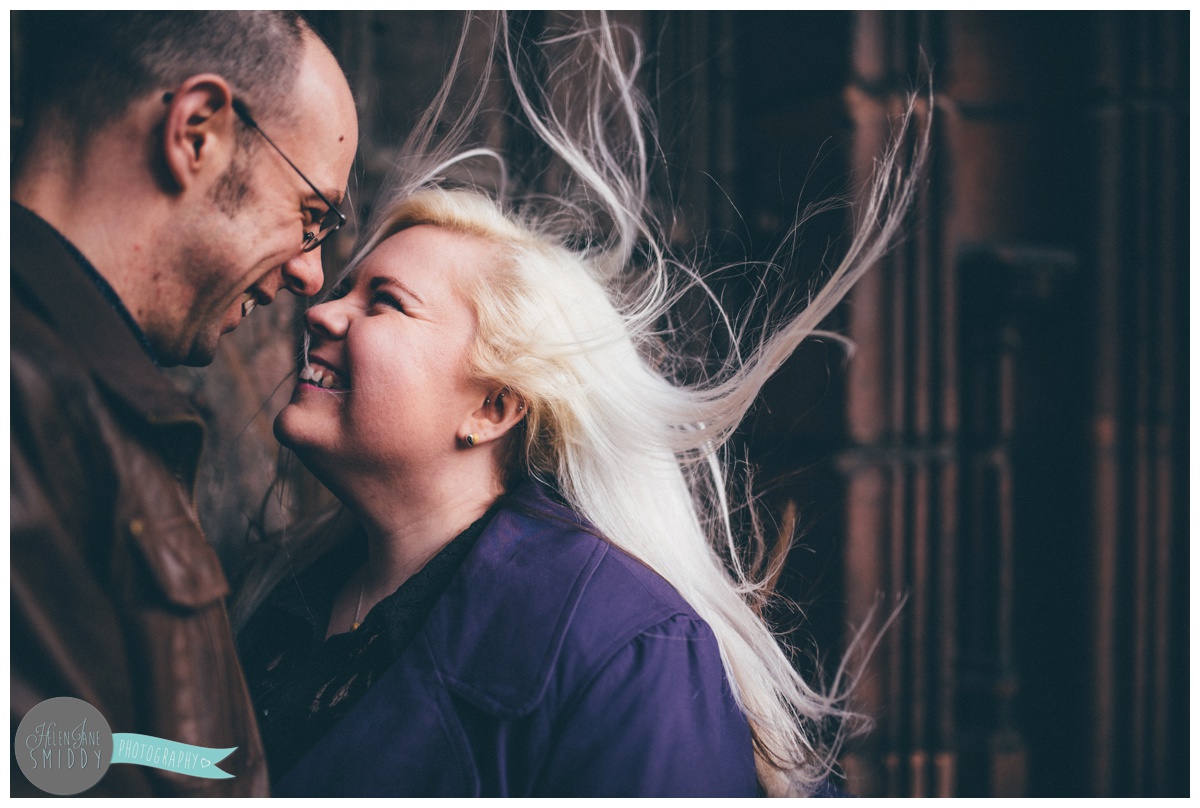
(390, 390)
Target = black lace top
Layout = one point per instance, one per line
(301, 683)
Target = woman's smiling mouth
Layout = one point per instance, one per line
(322, 376)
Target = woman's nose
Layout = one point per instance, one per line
(329, 319)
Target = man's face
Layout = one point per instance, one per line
(244, 242)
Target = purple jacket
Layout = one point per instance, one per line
(553, 665)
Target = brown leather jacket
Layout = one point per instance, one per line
(117, 598)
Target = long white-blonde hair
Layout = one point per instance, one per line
(571, 320)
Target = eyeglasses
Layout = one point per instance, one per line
(333, 218)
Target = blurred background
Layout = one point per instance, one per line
(1007, 448)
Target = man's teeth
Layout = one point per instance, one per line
(248, 304)
(319, 376)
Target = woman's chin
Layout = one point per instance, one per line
(289, 429)
(310, 442)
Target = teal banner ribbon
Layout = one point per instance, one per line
(197, 761)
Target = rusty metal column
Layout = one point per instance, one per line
(1140, 421)
(901, 474)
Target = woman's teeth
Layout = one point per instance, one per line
(248, 304)
(321, 377)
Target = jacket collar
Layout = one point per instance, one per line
(53, 280)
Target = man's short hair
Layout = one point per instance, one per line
(82, 69)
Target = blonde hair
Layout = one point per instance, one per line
(570, 319)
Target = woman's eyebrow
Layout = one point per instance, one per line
(380, 280)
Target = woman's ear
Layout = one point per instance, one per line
(501, 410)
(199, 132)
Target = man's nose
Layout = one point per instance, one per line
(303, 275)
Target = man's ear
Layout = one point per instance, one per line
(198, 136)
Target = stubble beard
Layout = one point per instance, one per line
(232, 189)
(210, 260)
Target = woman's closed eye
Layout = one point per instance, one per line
(382, 298)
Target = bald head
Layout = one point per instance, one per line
(81, 70)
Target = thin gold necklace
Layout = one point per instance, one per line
(354, 626)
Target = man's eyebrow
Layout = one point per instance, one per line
(380, 280)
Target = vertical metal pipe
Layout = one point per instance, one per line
(950, 474)
(900, 535)
(946, 759)
(1165, 304)
(873, 479)
(922, 383)
(1106, 493)
(1142, 455)
(866, 563)
(898, 639)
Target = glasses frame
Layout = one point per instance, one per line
(311, 240)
